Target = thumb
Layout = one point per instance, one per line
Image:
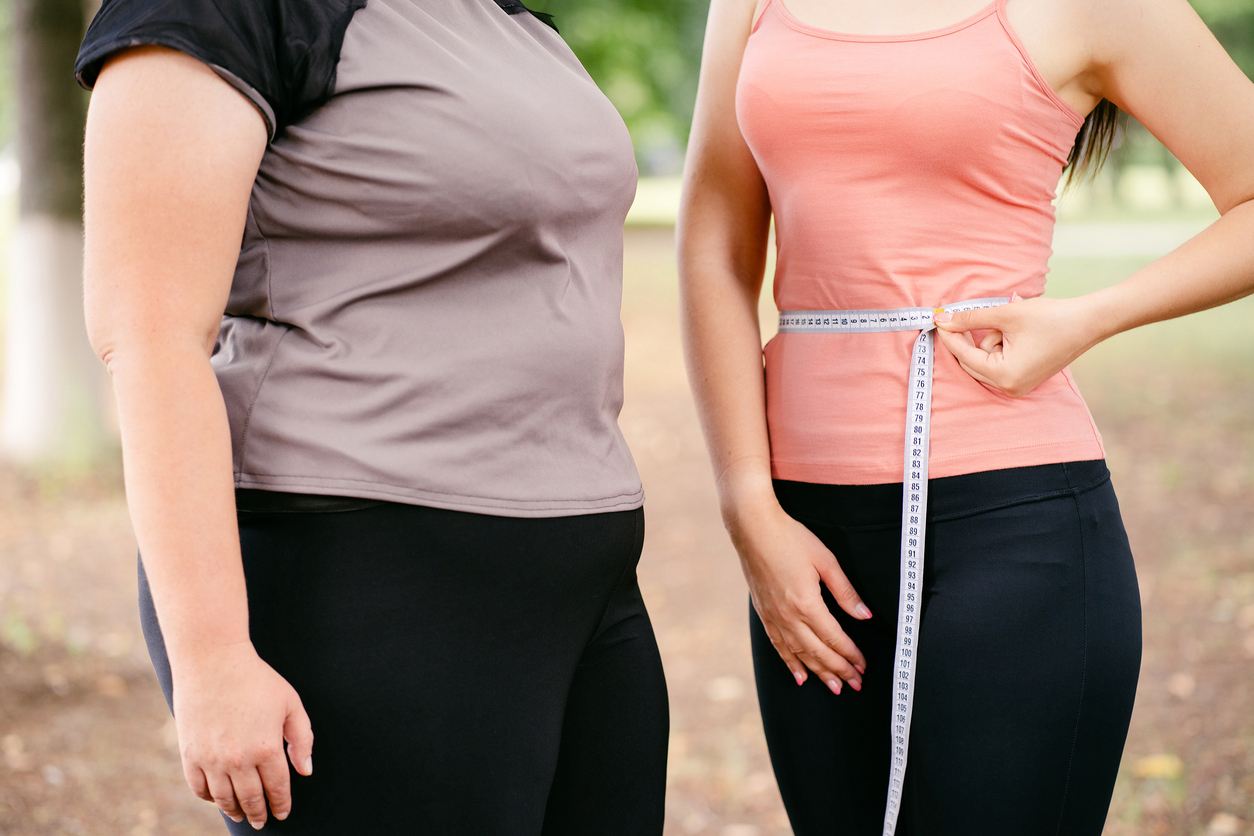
(980, 319)
(298, 733)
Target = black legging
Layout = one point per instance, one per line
(465, 674)
(1029, 649)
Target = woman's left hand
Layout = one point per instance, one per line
(1028, 341)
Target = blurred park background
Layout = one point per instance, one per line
(86, 743)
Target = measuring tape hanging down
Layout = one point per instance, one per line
(913, 500)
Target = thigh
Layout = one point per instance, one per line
(831, 753)
(1027, 631)
(611, 769)
(434, 651)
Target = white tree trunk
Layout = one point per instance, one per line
(51, 412)
(54, 387)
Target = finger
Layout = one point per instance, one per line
(795, 666)
(838, 640)
(298, 732)
(842, 590)
(251, 795)
(277, 782)
(828, 665)
(222, 793)
(976, 320)
(991, 340)
(977, 362)
(805, 637)
(851, 664)
(197, 781)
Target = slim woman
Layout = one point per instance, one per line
(355, 267)
(946, 624)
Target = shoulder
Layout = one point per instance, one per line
(1117, 29)
(281, 53)
(735, 14)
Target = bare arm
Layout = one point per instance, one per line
(722, 236)
(1156, 60)
(170, 158)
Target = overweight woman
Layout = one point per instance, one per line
(946, 624)
(355, 267)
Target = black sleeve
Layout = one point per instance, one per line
(282, 54)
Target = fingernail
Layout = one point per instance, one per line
(1015, 297)
(309, 766)
(855, 684)
(257, 825)
(282, 816)
(860, 669)
(834, 684)
(941, 315)
(799, 676)
(862, 611)
(236, 819)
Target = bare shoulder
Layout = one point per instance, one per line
(732, 19)
(1076, 44)
(1055, 34)
(1118, 29)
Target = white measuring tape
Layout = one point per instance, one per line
(913, 500)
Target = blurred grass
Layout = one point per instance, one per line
(1219, 339)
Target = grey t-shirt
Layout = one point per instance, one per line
(426, 306)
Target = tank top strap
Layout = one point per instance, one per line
(757, 18)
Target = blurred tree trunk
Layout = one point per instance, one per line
(52, 408)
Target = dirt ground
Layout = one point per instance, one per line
(86, 745)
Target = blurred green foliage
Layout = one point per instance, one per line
(645, 55)
(7, 109)
(1232, 21)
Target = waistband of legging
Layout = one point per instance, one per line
(950, 497)
(253, 501)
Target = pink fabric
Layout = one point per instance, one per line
(903, 171)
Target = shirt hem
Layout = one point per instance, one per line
(436, 499)
(849, 473)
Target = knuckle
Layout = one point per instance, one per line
(252, 801)
(266, 752)
(198, 788)
(835, 642)
(223, 800)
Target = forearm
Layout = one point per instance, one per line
(723, 349)
(177, 453)
(1215, 267)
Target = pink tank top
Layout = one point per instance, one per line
(903, 171)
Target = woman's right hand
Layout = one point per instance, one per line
(786, 566)
(233, 712)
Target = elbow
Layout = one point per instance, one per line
(124, 342)
(102, 338)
